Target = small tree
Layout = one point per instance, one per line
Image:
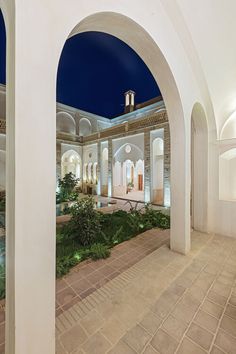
(67, 188)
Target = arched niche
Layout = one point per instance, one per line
(65, 123)
(229, 128)
(227, 175)
(71, 162)
(199, 169)
(85, 127)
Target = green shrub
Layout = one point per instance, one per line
(84, 226)
(64, 264)
(98, 250)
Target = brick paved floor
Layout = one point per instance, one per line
(165, 303)
(89, 276)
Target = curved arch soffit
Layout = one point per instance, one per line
(231, 120)
(229, 154)
(122, 149)
(199, 118)
(67, 154)
(65, 123)
(134, 35)
(127, 144)
(85, 127)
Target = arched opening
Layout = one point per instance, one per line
(158, 169)
(65, 123)
(128, 171)
(199, 169)
(227, 173)
(148, 50)
(71, 163)
(85, 127)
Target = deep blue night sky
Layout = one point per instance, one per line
(94, 72)
(2, 50)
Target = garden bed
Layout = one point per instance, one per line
(91, 234)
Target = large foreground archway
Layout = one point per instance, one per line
(140, 41)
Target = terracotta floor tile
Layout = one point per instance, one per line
(60, 285)
(97, 344)
(107, 270)
(188, 347)
(200, 336)
(65, 296)
(151, 323)
(212, 308)
(87, 292)
(94, 277)
(122, 348)
(73, 338)
(164, 343)
(206, 321)
(137, 338)
(81, 286)
(175, 327)
(71, 303)
(228, 325)
(226, 342)
(2, 316)
(231, 311)
(2, 333)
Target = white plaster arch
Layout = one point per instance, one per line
(228, 130)
(71, 162)
(85, 127)
(66, 123)
(199, 169)
(105, 154)
(134, 155)
(140, 40)
(158, 146)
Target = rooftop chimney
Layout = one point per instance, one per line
(129, 101)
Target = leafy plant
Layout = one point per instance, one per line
(99, 250)
(67, 190)
(3, 202)
(84, 225)
(64, 264)
(2, 281)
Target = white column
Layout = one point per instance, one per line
(147, 168)
(180, 240)
(110, 168)
(31, 136)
